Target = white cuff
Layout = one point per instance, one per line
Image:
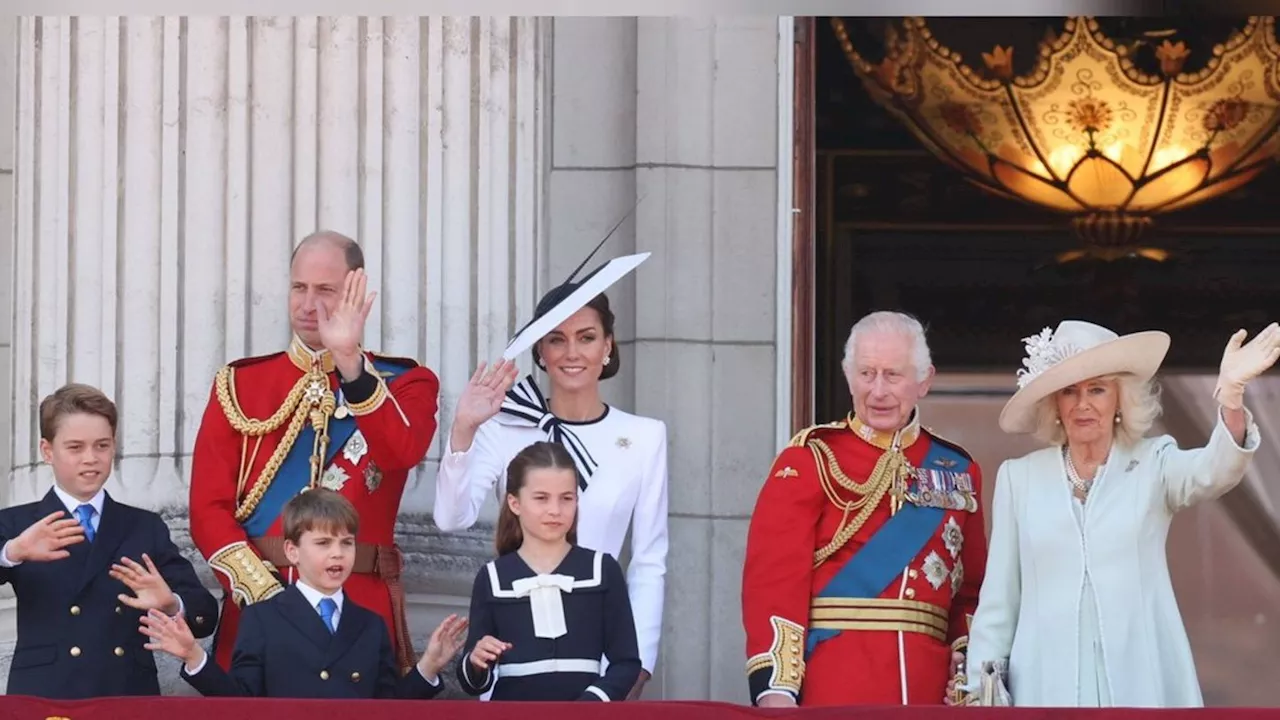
(433, 681)
(199, 667)
(4, 557)
(784, 693)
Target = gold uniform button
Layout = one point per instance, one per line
(119, 610)
(119, 652)
(911, 592)
(75, 652)
(913, 574)
(355, 677)
(75, 609)
(324, 674)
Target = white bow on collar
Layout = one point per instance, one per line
(544, 593)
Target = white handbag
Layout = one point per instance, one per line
(993, 685)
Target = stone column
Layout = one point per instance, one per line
(167, 166)
(707, 157)
(682, 112)
(8, 100)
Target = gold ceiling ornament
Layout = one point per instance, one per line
(1087, 132)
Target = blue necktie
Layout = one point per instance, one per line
(85, 514)
(327, 608)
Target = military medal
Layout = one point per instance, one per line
(372, 476)
(341, 413)
(355, 448)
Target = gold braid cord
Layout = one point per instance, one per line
(309, 400)
(890, 473)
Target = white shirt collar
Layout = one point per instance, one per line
(314, 596)
(71, 503)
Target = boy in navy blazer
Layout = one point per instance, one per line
(310, 641)
(77, 622)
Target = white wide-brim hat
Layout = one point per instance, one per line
(1075, 352)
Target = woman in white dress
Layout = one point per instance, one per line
(621, 457)
(1077, 596)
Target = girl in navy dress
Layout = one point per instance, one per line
(549, 620)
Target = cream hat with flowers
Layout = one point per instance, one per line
(1077, 351)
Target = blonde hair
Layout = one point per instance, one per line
(1138, 405)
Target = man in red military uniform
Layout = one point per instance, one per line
(323, 413)
(867, 547)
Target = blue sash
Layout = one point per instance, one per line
(891, 549)
(294, 474)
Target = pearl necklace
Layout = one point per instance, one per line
(1080, 485)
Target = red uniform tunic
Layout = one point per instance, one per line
(249, 460)
(891, 643)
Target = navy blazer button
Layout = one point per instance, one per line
(324, 674)
(75, 652)
(75, 609)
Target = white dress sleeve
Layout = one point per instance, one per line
(466, 479)
(646, 573)
(1193, 476)
(996, 619)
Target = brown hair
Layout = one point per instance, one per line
(318, 509)
(75, 399)
(541, 455)
(351, 251)
(600, 304)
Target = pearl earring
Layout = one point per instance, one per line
(1117, 418)
(1057, 421)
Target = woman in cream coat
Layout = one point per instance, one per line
(1077, 596)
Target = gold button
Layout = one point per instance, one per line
(119, 610)
(913, 573)
(75, 609)
(324, 674)
(75, 652)
(911, 592)
(355, 677)
(119, 652)
(795, 674)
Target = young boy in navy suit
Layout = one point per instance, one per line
(77, 622)
(310, 641)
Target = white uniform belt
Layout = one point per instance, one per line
(553, 665)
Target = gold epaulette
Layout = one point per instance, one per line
(948, 442)
(801, 438)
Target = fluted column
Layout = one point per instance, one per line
(167, 166)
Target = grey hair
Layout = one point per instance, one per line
(350, 248)
(1138, 405)
(888, 321)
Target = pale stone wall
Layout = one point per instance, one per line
(166, 167)
(683, 112)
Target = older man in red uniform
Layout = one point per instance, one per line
(867, 547)
(323, 413)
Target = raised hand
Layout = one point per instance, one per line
(445, 642)
(46, 539)
(171, 635)
(342, 328)
(1242, 362)
(147, 584)
(482, 398)
(487, 651)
